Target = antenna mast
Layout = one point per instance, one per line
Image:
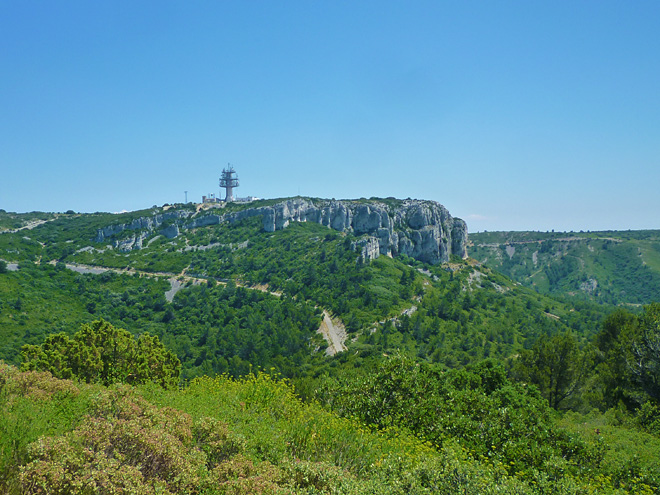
(229, 181)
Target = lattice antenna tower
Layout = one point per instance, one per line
(229, 181)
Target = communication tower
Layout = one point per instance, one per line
(229, 181)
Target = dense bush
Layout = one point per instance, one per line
(628, 368)
(452, 316)
(101, 353)
(489, 415)
(253, 435)
(229, 329)
(258, 438)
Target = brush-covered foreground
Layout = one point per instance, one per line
(253, 435)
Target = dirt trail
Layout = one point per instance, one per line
(175, 286)
(539, 241)
(334, 333)
(28, 226)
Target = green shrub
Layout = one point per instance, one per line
(491, 417)
(649, 417)
(101, 353)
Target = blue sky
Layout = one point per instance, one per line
(514, 115)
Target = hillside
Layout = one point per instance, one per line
(610, 266)
(229, 295)
(455, 378)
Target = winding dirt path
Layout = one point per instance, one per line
(334, 333)
(28, 226)
(332, 329)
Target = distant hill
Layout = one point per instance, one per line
(246, 285)
(614, 267)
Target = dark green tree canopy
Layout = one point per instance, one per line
(478, 406)
(644, 358)
(629, 347)
(556, 365)
(101, 353)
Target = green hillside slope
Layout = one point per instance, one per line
(611, 267)
(456, 378)
(245, 297)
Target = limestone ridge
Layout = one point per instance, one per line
(147, 225)
(423, 230)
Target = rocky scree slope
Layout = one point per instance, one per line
(423, 230)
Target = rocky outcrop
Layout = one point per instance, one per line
(171, 231)
(423, 230)
(143, 223)
(369, 247)
(132, 242)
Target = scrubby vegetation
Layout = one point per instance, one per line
(101, 353)
(253, 435)
(457, 379)
(610, 267)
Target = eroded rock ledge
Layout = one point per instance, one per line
(423, 230)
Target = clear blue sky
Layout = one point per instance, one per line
(515, 115)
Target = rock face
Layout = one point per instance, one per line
(148, 224)
(423, 230)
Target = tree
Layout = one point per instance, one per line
(478, 407)
(3, 266)
(629, 348)
(644, 352)
(556, 365)
(612, 372)
(101, 353)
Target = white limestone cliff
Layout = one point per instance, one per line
(423, 230)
